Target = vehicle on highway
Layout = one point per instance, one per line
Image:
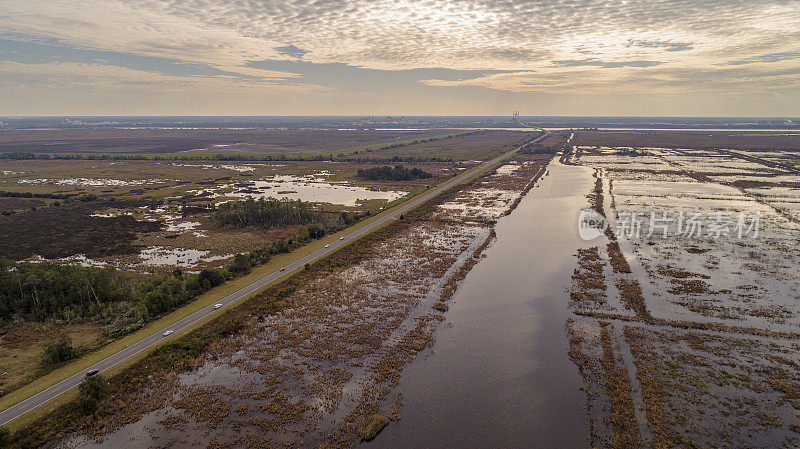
(217, 306)
(328, 245)
(341, 238)
(283, 269)
(168, 333)
(92, 372)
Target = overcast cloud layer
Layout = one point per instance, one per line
(395, 57)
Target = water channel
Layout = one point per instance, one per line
(499, 374)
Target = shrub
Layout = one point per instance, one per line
(58, 350)
(90, 392)
(316, 232)
(241, 264)
(211, 278)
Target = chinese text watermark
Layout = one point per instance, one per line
(683, 224)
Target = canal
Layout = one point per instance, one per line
(499, 374)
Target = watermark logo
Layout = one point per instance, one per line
(681, 224)
(591, 224)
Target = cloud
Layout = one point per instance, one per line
(666, 45)
(645, 82)
(28, 51)
(404, 34)
(771, 57)
(292, 51)
(553, 82)
(604, 64)
(100, 77)
(371, 46)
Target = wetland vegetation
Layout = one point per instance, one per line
(673, 339)
(128, 241)
(203, 141)
(699, 324)
(339, 340)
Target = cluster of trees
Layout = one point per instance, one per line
(60, 196)
(390, 146)
(18, 155)
(266, 213)
(398, 173)
(270, 212)
(37, 292)
(395, 159)
(538, 149)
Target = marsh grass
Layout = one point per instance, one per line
(618, 388)
(132, 391)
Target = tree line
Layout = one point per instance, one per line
(18, 155)
(38, 291)
(266, 213)
(398, 173)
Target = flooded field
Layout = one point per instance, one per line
(141, 208)
(313, 188)
(686, 317)
(160, 226)
(493, 317)
(326, 368)
(161, 213)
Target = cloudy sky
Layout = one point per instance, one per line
(341, 57)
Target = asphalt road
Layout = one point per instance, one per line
(37, 400)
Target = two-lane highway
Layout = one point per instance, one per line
(67, 384)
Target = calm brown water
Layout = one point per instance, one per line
(499, 374)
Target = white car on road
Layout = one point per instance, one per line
(168, 333)
(328, 245)
(217, 306)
